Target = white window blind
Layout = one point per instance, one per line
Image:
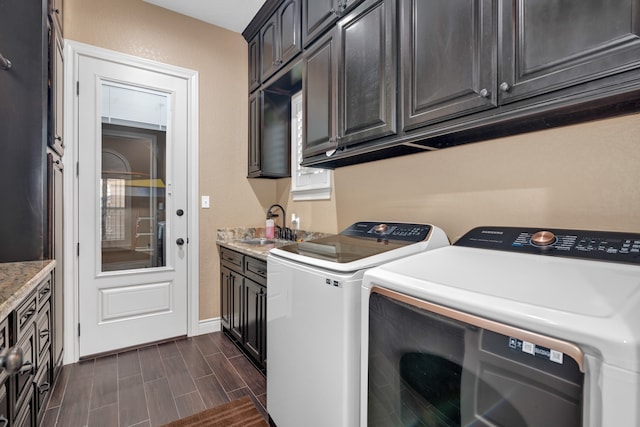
(306, 183)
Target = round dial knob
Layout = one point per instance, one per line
(380, 228)
(543, 238)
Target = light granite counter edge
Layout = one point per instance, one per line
(18, 280)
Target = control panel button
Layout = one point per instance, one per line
(543, 238)
(381, 228)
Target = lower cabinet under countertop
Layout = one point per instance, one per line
(243, 281)
(27, 305)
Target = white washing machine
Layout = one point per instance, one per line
(313, 319)
(509, 327)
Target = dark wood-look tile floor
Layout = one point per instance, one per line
(154, 385)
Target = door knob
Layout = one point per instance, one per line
(180, 241)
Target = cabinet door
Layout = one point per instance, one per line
(56, 93)
(448, 62)
(255, 108)
(23, 128)
(317, 16)
(269, 48)
(262, 301)
(549, 45)
(4, 402)
(319, 92)
(236, 285)
(253, 318)
(367, 77)
(254, 64)
(289, 35)
(225, 297)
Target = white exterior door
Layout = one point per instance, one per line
(132, 205)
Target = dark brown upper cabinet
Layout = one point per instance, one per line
(349, 82)
(546, 45)
(319, 95)
(461, 57)
(448, 59)
(367, 66)
(320, 15)
(254, 64)
(280, 38)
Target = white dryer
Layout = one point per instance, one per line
(508, 326)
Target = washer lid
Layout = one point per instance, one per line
(363, 245)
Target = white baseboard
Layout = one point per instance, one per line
(208, 326)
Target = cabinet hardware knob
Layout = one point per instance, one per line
(505, 87)
(180, 241)
(484, 93)
(12, 361)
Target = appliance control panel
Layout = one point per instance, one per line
(593, 245)
(402, 231)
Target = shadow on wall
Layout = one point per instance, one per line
(578, 176)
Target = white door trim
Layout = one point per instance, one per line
(72, 52)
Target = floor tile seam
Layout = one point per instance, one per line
(64, 390)
(146, 404)
(117, 404)
(139, 363)
(187, 370)
(147, 400)
(193, 377)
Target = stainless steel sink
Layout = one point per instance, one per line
(257, 241)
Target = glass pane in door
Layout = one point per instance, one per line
(132, 197)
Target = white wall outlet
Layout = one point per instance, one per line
(205, 202)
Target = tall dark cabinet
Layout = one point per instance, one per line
(31, 221)
(23, 129)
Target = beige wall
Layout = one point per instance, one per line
(583, 176)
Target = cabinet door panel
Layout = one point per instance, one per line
(269, 48)
(317, 15)
(236, 284)
(254, 64)
(319, 95)
(253, 318)
(225, 297)
(255, 126)
(367, 79)
(289, 18)
(447, 59)
(549, 45)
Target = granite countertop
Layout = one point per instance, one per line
(232, 238)
(18, 279)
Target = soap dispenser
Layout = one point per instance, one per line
(270, 229)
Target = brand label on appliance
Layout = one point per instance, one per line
(536, 350)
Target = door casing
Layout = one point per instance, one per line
(72, 52)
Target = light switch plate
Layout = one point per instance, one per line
(205, 202)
